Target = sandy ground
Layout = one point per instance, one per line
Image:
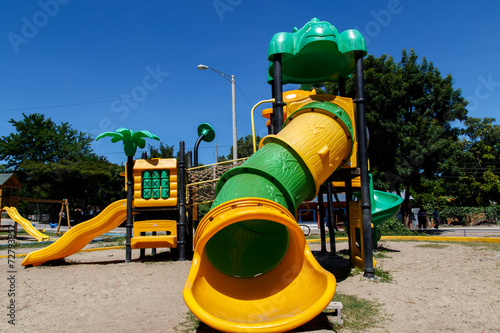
(454, 288)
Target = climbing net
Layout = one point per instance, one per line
(202, 180)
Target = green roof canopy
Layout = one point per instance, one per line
(315, 53)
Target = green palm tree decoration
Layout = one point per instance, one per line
(131, 140)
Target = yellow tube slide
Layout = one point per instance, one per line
(25, 224)
(252, 270)
(291, 294)
(80, 235)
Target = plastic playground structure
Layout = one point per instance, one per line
(251, 263)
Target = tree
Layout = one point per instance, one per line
(164, 151)
(245, 148)
(39, 139)
(57, 161)
(410, 113)
(88, 185)
(473, 175)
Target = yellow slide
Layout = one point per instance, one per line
(252, 270)
(27, 226)
(292, 293)
(80, 235)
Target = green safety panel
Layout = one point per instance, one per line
(156, 184)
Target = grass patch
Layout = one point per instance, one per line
(190, 323)
(433, 245)
(482, 246)
(380, 254)
(356, 271)
(383, 276)
(339, 234)
(31, 245)
(358, 313)
(121, 242)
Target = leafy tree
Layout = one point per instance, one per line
(164, 151)
(245, 148)
(56, 161)
(40, 139)
(88, 185)
(410, 113)
(473, 173)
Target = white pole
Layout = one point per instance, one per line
(235, 139)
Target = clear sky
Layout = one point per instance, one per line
(101, 65)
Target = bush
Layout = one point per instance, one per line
(492, 213)
(394, 227)
(471, 215)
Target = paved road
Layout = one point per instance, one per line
(490, 231)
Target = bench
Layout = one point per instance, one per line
(155, 241)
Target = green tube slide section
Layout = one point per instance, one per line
(384, 206)
(275, 172)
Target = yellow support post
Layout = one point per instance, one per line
(356, 235)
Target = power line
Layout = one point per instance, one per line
(243, 93)
(110, 100)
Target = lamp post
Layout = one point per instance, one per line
(230, 78)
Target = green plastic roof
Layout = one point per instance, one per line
(315, 53)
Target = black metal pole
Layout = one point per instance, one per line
(195, 154)
(130, 197)
(321, 221)
(181, 225)
(270, 129)
(189, 241)
(278, 94)
(189, 159)
(153, 250)
(342, 91)
(331, 227)
(348, 199)
(363, 165)
(142, 252)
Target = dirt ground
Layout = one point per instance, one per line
(447, 288)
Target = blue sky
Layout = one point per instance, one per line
(111, 64)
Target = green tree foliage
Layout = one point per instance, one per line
(163, 151)
(410, 113)
(473, 174)
(245, 148)
(39, 139)
(88, 185)
(57, 161)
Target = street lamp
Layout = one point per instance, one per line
(230, 78)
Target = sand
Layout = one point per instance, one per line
(453, 288)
